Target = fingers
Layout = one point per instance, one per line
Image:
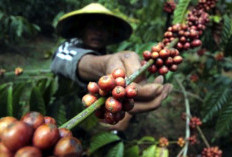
(113, 63)
(122, 124)
(159, 79)
(141, 106)
(148, 91)
(131, 61)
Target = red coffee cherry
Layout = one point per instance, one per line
(169, 61)
(159, 62)
(147, 55)
(120, 82)
(17, 135)
(34, 119)
(4, 123)
(68, 147)
(196, 43)
(110, 118)
(152, 69)
(154, 55)
(179, 46)
(88, 100)
(119, 116)
(93, 88)
(106, 83)
(131, 91)
(127, 104)
(187, 45)
(4, 151)
(45, 136)
(164, 53)
(28, 151)
(173, 67)
(118, 73)
(113, 105)
(49, 120)
(163, 70)
(156, 48)
(63, 132)
(118, 92)
(177, 59)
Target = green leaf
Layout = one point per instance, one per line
(214, 102)
(146, 139)
(89, 122)
(132, 151)
(150, 151)
(226, 31)
(10, 101)
(17, 93)
(224, 121)
(161, 152)
(180, 11)
(59, 113)
(116, 150)
(36, 101)
(101, 140)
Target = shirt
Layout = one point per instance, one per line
(67, 57)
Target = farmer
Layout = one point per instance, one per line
(83, 57)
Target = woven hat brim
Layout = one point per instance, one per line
(71, 26)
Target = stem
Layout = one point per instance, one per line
(203, 137)
(84, 114)
(29, 72)
(187, 107)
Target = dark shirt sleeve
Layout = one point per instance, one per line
(67, 57)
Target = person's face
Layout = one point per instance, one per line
(96, 35)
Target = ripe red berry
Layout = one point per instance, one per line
(196, 43)
(4, 151)
(4, 123)
(119, 116)
(34, 119)
(45, 136)
(88, 100)
(131, 91)
(146, 55)
(17, 135)
(156, 48)
(169, 61)
(68, 147)
(179, 46)
(118, 73)
(152, 69)
(28, 151)
(173, 67)
(49, 120)
(118, 92)
(177, 59)
(113, 105)
(110, 118)
(154, 55)
(163, 70)
(159, 62)
(93, 88)
(106, 83)
(164, 53)
(187, 45)
(120, 82)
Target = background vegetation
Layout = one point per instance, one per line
(28, 39)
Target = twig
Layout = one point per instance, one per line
(203, 137)
(187, 108)
(190, 94)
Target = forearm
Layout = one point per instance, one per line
(91, 67)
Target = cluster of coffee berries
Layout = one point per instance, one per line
(192, 139)
(206, 4)
(18, 71)
(164, 59)
(119, 96)
(169, 7)
(163, 142)
(194, 122)
(181, 141)
(188, 36)
(211, 152)
(36, 135)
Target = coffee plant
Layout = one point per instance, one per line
(199, 37)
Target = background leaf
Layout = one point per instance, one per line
(150, 151)
(36, 101)
(180, 11)
(116, 150)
